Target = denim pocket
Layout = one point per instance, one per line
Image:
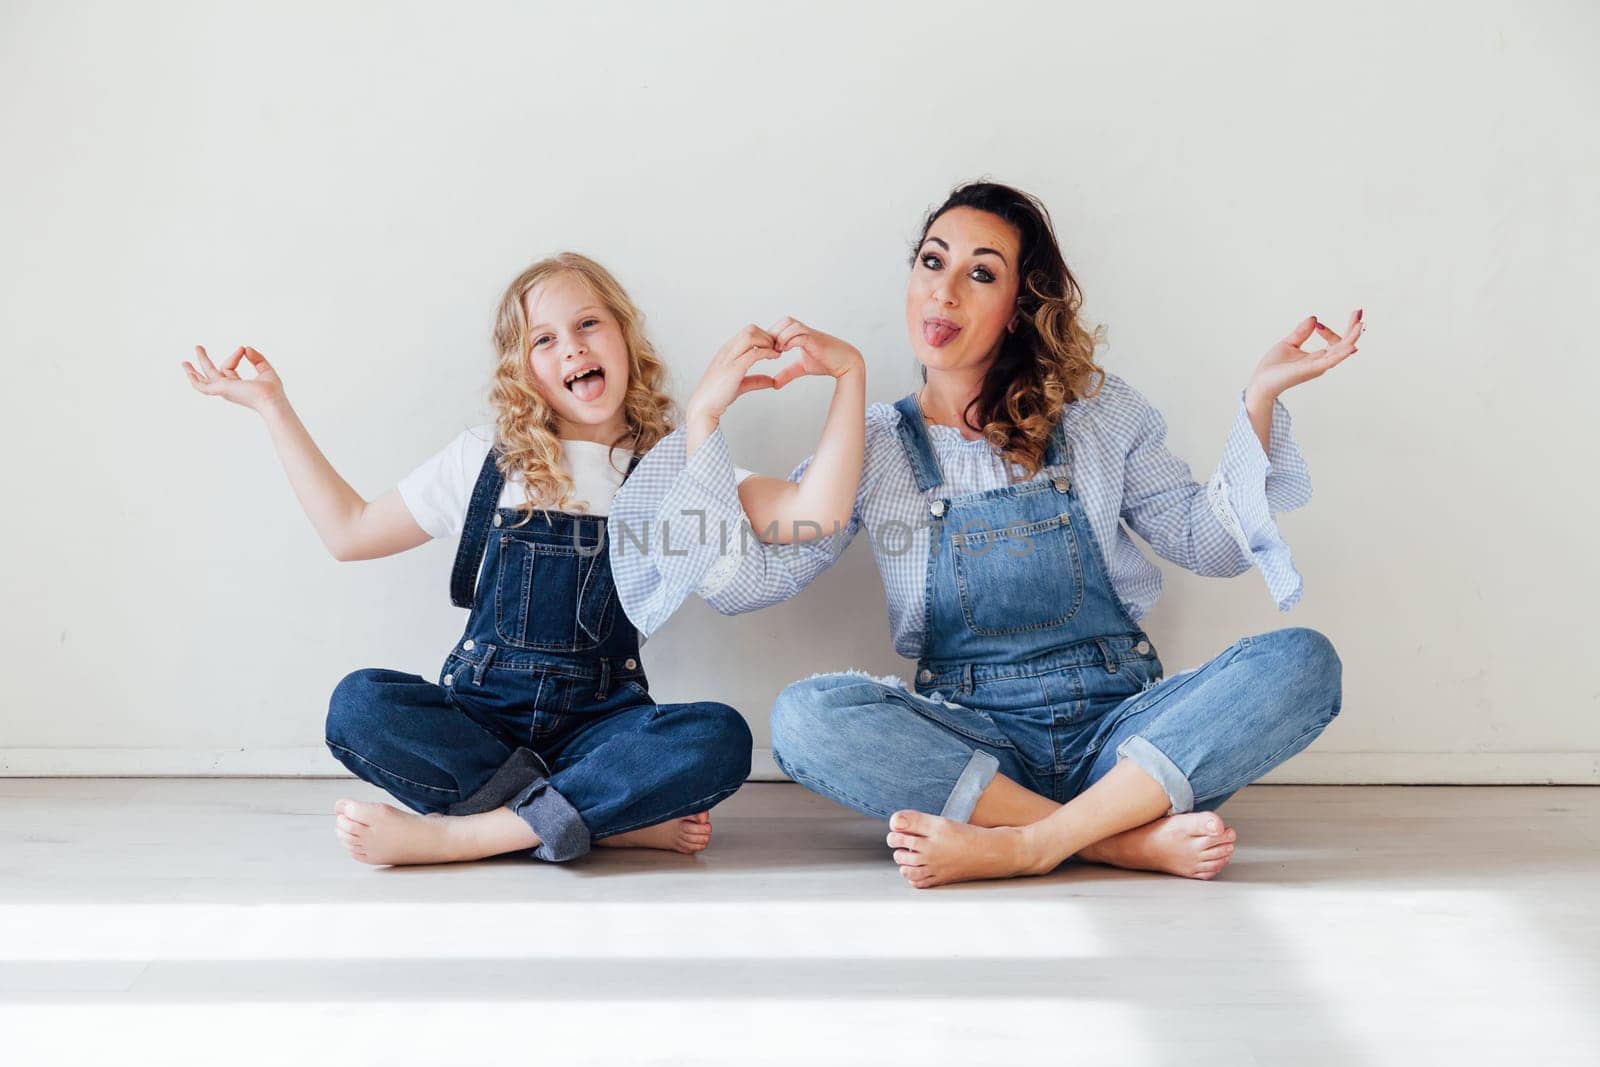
(970, 723)
(554, 596)
(1012, 579)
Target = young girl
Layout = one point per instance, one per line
(540, 734)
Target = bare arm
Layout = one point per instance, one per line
(350, 526)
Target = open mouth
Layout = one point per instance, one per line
(587, 383)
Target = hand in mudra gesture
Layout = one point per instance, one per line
(263, 388)
(1286, 364)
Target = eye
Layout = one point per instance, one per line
(586, 323)
(982, 274)
(932, 261)
(541, 339)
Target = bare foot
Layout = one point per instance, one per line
(1196, 844)
(933, 851)
(383, 834)
(688, 835)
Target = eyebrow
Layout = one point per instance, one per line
(534, 328)
(976, 251)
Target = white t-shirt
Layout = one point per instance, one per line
(438, 491)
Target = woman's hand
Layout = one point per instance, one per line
(1286, 364)
(820, 353)
(259, 392)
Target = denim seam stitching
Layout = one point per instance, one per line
(1268, 763)
(825, 789)
(392, 774)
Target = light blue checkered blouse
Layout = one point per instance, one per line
(689, 516)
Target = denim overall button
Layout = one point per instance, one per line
(1062, 485)
(937, 507)
(497, 520)
(449, 680)
(925, 675)
(936, 696)
(468, 645)
(630, 663)
(1142, 647)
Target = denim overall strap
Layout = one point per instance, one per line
(914, 439)
(475, 530)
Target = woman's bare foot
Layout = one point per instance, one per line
(1196, 844)
(933, 851)
(688, 835)
(383, 834)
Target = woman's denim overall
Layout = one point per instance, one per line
(542, 706)
(1032, 668)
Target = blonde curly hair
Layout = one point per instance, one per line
(526, 426)
(1048, 361)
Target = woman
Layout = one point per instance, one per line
(998, 499)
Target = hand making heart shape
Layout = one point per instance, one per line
(728, 377)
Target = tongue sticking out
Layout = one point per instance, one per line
(590, 388)
(938, 334)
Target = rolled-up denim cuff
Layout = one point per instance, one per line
(975, 778)
(1155, 763)
(563, 835)
(523, 767)
(523, 784)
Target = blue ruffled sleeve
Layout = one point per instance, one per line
(1226, 526)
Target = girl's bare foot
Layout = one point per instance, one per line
(933, 851)
(688, 835)
(383, 834)
(1196, 844)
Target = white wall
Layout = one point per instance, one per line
(349, 188)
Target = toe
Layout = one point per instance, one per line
(913, 822)
(899, 840)
(1211, 825)
(906, 858)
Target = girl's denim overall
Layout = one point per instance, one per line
(542, 706)
(1032, 668)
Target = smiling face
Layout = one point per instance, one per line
(962, 294)
(577, 358)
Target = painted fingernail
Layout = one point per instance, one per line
(1358, 314)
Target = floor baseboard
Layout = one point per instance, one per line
(1309, 768)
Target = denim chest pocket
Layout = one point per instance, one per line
(552, 596)
(1019, 577)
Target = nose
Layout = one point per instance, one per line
(575, 348)
(943, 292)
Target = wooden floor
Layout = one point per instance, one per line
(217, 922)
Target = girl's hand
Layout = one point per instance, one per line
(728, 377)
(257, 393)
(820, 353)
(1286, 364)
